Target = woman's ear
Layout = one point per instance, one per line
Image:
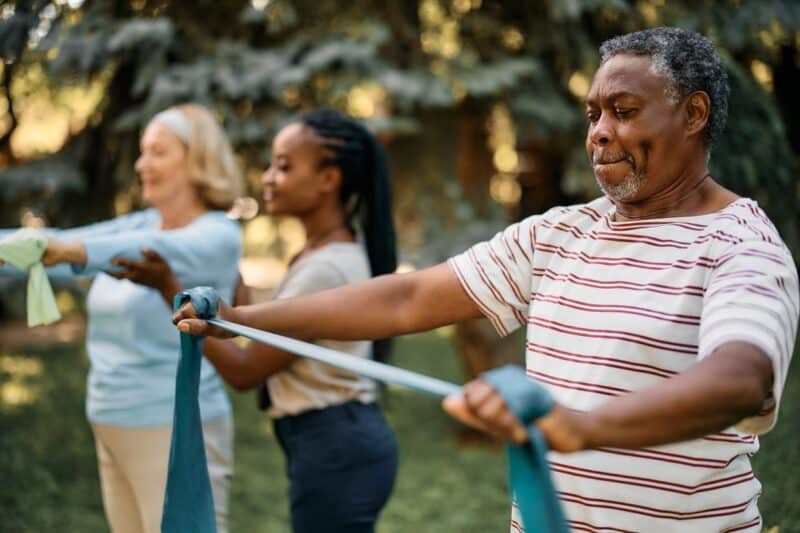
(698, 110)
(331, 178)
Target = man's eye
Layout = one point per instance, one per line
(593, 116)
(623, 112)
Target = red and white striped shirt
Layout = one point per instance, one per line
(613, 307)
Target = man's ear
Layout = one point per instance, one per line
(698, 110)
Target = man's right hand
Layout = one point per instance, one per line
(185, 319)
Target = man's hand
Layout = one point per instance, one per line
(153, 272)
(483, 408)
(185, 318)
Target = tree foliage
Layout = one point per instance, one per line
(257, 63)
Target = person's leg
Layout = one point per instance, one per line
(342, 463)
(218, 438)
(142, 455)
(119, 502)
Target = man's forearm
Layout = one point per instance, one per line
(729, 385)
(379, 308)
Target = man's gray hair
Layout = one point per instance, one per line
(689, 63)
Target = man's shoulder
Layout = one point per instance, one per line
(576, 214)
(743, 220)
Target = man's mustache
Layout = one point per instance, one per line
(608, 158)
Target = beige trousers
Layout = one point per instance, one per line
(133, 472)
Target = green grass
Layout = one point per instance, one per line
(48, 476)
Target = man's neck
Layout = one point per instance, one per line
(693, 192)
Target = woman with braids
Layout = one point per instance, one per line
(331, 173)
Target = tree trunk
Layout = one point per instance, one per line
(473, 157)
(786, 79)
(541, 169)
(105, 157)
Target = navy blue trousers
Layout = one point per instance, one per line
(342, 463)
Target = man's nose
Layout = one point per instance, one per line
(601, 132)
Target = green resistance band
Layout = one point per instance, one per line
(24, 249)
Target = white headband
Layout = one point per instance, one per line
(175, 121)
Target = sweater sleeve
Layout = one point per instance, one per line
(124, 223)
(191, 251)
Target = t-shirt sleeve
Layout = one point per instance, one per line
(496, 274)
(314, 276)
(752, 297)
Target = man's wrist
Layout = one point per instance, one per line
(567, 430)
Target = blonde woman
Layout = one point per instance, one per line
(189, 177)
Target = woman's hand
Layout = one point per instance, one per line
(185, 318)
(153, 272)
(63, 252)
(483, 408)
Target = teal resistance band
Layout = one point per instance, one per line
(365, 367)
(188, 501)
(529, 473)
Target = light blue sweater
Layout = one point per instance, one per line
(132, 345)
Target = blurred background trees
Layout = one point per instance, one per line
(480, 104)
(478, 101)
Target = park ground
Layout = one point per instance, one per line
(446, 484)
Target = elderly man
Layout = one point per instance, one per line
(661, 317)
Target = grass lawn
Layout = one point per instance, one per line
(48, 477)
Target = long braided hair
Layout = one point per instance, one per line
(365, 191)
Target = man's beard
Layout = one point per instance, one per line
(625, 189)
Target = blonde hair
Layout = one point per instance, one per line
(211, 163)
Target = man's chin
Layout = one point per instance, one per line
(624, 190)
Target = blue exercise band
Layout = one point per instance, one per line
(365, 367)
(189, 506)
(188, 500)
(528, 470)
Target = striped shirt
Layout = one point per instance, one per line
(613, 307)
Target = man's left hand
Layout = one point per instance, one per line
(482, 407)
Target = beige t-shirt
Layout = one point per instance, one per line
(307, 384)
